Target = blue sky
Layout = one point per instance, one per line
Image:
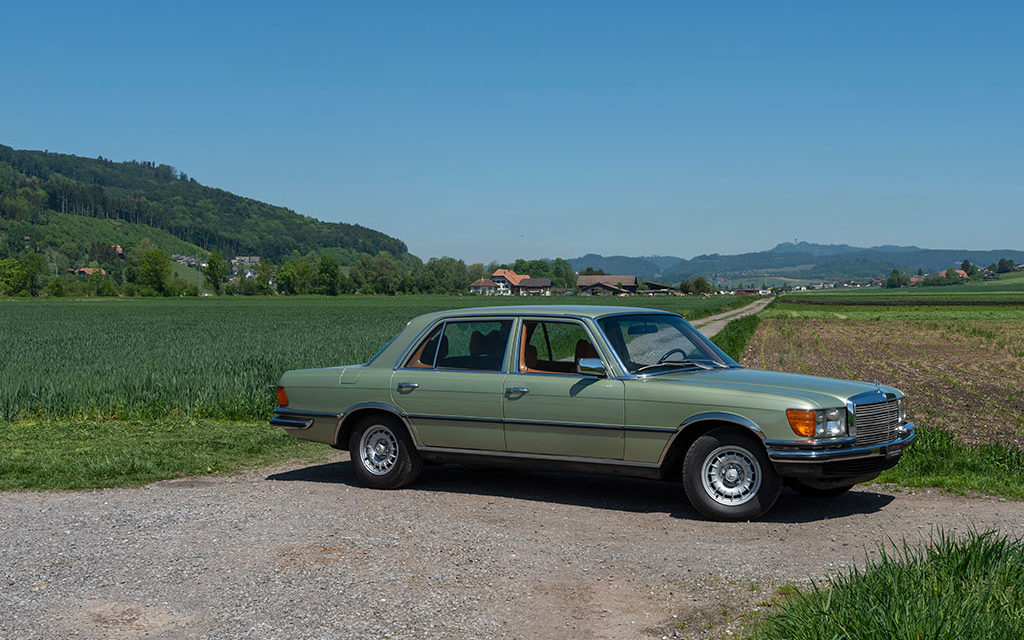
(494, 131)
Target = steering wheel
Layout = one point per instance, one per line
(670, 352)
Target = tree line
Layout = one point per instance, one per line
(897, 279)
(33, 183)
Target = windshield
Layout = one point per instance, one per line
(655, 343)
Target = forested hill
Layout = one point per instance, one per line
(38, 190)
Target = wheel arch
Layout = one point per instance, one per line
(696, 426)
(357, 412)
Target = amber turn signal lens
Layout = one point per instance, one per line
(282, 399)
(801, 421)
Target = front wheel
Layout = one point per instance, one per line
(727, 476)
(383, 456)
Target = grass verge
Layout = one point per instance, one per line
(949, 588)
(938, 460)
(734, 337)
(89, 455)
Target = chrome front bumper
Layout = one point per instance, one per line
(839, 449)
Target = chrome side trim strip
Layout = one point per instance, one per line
(581, 425)
(419, 416)
(541, 456)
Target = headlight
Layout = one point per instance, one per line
(822, 423)
(902, 404)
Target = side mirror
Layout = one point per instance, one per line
(590, 367)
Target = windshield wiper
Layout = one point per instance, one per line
(702, 364)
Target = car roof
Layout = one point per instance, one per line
(565, 310)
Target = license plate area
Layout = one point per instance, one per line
(894, 450)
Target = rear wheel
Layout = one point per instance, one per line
(817, 489)
(383, 456)
(727, 476)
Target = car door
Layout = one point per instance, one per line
(450, 386)
(551, 409)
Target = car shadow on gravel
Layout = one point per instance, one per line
(595, 491)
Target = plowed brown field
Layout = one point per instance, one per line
(966, 379)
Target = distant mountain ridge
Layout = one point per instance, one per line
(39, 190)
(803, 260)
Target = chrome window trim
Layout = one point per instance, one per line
(415, 342)
(599, 344)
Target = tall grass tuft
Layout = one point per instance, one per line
(734, 337)
(937, 459)
(970, 587)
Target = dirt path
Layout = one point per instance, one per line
(304, 552)
(711, 325)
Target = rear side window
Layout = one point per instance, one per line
(476, 344)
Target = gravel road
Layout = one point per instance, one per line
(711, 325)
(304, 552)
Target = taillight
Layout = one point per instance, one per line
(282, 397)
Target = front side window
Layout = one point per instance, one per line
(477, 345)
(654, 343)
(553, 347)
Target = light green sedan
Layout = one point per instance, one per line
(595, 389)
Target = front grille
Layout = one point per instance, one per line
(876, 423)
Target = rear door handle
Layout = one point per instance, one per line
(511, 390)
(407, 386)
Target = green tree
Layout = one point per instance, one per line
(328, 276)
(686, 286)
(1005, 265)
(55, 288)
(897, 279)
(265, 272)
(378, 274)
(34, 265)
(296, 276)
(155, 271)
(12, 277)
(562, 275)
(700, 285)
(952, 277)
(216, 271)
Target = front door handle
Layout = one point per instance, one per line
(407, 386)
(520, 390)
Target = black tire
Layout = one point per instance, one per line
(813, 489)
(727, 476)
(383, 455)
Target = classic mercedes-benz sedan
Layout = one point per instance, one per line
(596, 389)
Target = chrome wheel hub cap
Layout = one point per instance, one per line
(731, 475)
(378, 450)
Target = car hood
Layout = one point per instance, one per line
(811, 388)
